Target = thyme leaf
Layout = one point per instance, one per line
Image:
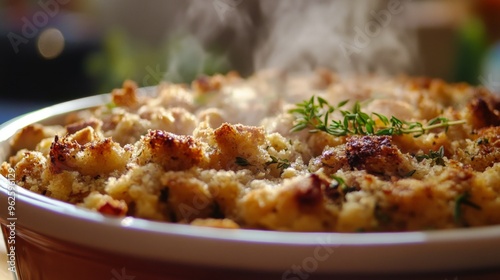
(410, 173)
(463, 199)
(482, 141)
(339, 183)
(281, 164)
(241, 161)
(435, 156)
(110, 105)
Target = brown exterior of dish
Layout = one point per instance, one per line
(42, 257)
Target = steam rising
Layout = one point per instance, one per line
(348, 36)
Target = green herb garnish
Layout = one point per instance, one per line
(110, 105)
(382, 216)
(435, 156)
(482, 141)
(242, 161)
(315, 114)
(281, 164)
(338, 182)
(410, 173)
(463, 199)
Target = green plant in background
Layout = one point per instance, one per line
(179, 59)
(472, 46)
(186, 60)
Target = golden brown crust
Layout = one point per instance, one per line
(483, 113)
(126, 96)
(482, 151)
(100, 157)
(375, 154)
(29, 136)
(77, 126)
(238, 141)
(221, 154)
(171, 151)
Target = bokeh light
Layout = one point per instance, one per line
(50, 43)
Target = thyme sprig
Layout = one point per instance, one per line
(315, 114)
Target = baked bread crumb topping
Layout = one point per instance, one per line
(223, 152)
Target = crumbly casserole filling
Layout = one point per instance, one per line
(260, 153)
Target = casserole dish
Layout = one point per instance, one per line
(57, 240)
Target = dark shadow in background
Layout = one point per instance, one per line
(27, 75)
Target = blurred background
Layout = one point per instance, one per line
(57, 50)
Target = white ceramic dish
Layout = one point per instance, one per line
(281, 253)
